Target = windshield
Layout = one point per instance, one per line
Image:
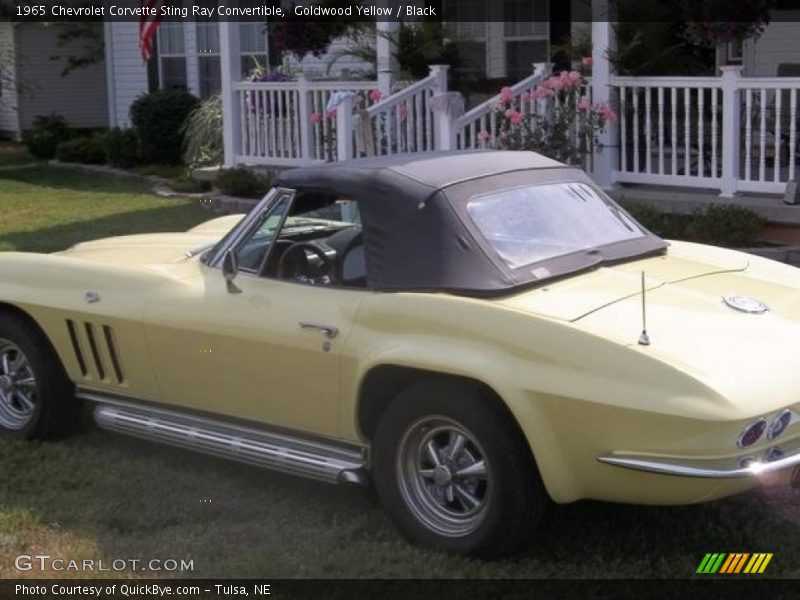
(530, 224)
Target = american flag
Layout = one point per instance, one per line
(148, 25)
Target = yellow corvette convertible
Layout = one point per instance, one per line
(476, 333)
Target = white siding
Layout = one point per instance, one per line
(128, 72)
(778, 44)
(9, 124)
(79, 96)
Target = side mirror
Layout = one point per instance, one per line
(230, 268)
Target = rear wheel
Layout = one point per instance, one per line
(454, 472)
(36, 396)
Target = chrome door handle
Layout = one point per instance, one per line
(330, 332)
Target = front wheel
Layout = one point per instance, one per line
(37, 399)
(454, 472)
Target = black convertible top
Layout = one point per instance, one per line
(417, 233)
(431, 170)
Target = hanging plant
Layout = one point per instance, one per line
(302, 37)
(743, 20)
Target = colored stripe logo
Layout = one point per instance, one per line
(734, 563)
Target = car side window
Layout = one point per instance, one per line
(319, 242)
(252, 251)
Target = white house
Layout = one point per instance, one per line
(32, 83)
(671, 131)
(187, 54)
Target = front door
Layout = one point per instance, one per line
(269, 353)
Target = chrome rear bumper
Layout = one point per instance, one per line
(714, 469)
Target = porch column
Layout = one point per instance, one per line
(231, 73)
(386, 46)
(606, 159)
(192, 59)
(731, 130)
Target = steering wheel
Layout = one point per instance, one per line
(302, 270)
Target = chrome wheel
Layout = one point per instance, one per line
(443, 476)
(17, 387)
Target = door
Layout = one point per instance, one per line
(271, 351)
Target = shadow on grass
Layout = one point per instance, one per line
(51, 176)
(140, 499)
(171, 217)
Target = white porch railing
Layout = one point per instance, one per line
(483, 118)
(403, 122)
(277, 121)
(729, 133)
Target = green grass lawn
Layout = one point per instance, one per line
(99, 495)
(45, 208)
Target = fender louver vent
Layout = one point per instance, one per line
(89, 344)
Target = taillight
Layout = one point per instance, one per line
(752, 433)
(779, 425)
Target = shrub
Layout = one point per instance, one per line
(564, 124)
(242, 182)
(663, 224)
(726, 226)
(44, 136)
(85, 149)
(202, 144)
(122, 147)
(721, 225)
(158, 119)
(189, 185)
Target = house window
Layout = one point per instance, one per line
(521, 54)
(254, 49)
(171, 56)
(467, 21)
(526, 32)
(208, 60)
(735, 50)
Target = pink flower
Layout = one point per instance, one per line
(315, 117)
(506, 95)
(331, 114)
(541, 92)
(556, 84)
(514, 116)
(483, 135)
(375, 95)
(607, 112)
(584, 104)
(587, 61)
(402, 111)
(526, 97)
(575, 77)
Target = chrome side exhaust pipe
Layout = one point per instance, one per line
(321, 460)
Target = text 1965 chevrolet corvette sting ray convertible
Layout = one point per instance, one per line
(465, 329)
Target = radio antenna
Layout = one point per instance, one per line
(644, 339)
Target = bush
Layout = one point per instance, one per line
(122, 147)
(44, 136)
(243, 183)
(720, 225)
(189, 185)
(202, 144)
(89, 150)
(158, 119)
(726, 226)
(665, 225)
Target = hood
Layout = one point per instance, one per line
(153, 248)
(574, 297)
(752, 359)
